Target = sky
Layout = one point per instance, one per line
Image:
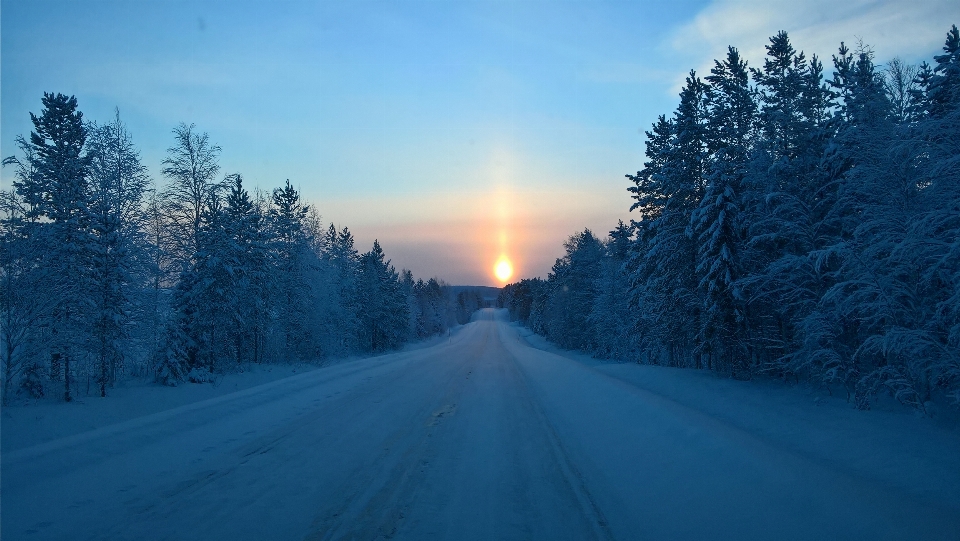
(456, 133)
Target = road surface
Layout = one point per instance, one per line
(478, 437)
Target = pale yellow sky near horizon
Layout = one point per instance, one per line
(471, 230)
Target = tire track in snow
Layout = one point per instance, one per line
(578, 485)
(375, 499)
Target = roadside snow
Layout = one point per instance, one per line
(33, 422)
(891, 443)
(28, 422)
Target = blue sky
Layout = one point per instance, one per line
(451, 131)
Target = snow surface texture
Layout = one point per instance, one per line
(482, 436)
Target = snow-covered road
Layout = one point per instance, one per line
(478, 437)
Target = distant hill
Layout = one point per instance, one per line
(489, 293)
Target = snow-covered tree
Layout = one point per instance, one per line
(943, 87)
(118, 182)
(716, 222)
(900, 84)
(99, 270)
(612, 317)
(572, 292)
(382, 312)
(245, 257)
(667, 191)
(191, 167)
(299, 284)
(791, 227)
(787, 200)
(341, 318)
(522, 299)
(432, 308)
(56, 197)
(24, 302)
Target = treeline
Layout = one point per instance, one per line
(789, 224)
(103, 276)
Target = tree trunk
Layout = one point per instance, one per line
(55, 367)
(7, 370)
(66, 379)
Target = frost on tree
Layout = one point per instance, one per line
(786, 224)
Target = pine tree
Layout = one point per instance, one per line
(864, 126)
(520, 299)
(943, 88)
(57, 192)
(245, 261)
(919, 100)
(572, 286)
(430, 317)
(826, 238)
(650, 192)
(716, 223)
(789, 199)
(296, 273)
(342, 317)
(611, 316)
(203, 298)
(931, 237)
(382, 310)
(666, 290)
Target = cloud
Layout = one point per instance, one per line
(913, 31)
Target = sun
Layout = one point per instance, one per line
(503, 270)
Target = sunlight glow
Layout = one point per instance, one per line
(503, 269)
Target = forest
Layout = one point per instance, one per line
(106, 275)
(790, 223)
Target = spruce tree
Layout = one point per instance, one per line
(791, 196)
(572, 292)
(296, 268)
(245, 260)
(342, 317)
(57, 192)
(611, 317)
(665, 273)
(943, 88)
(382, 310)
(716, 223)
